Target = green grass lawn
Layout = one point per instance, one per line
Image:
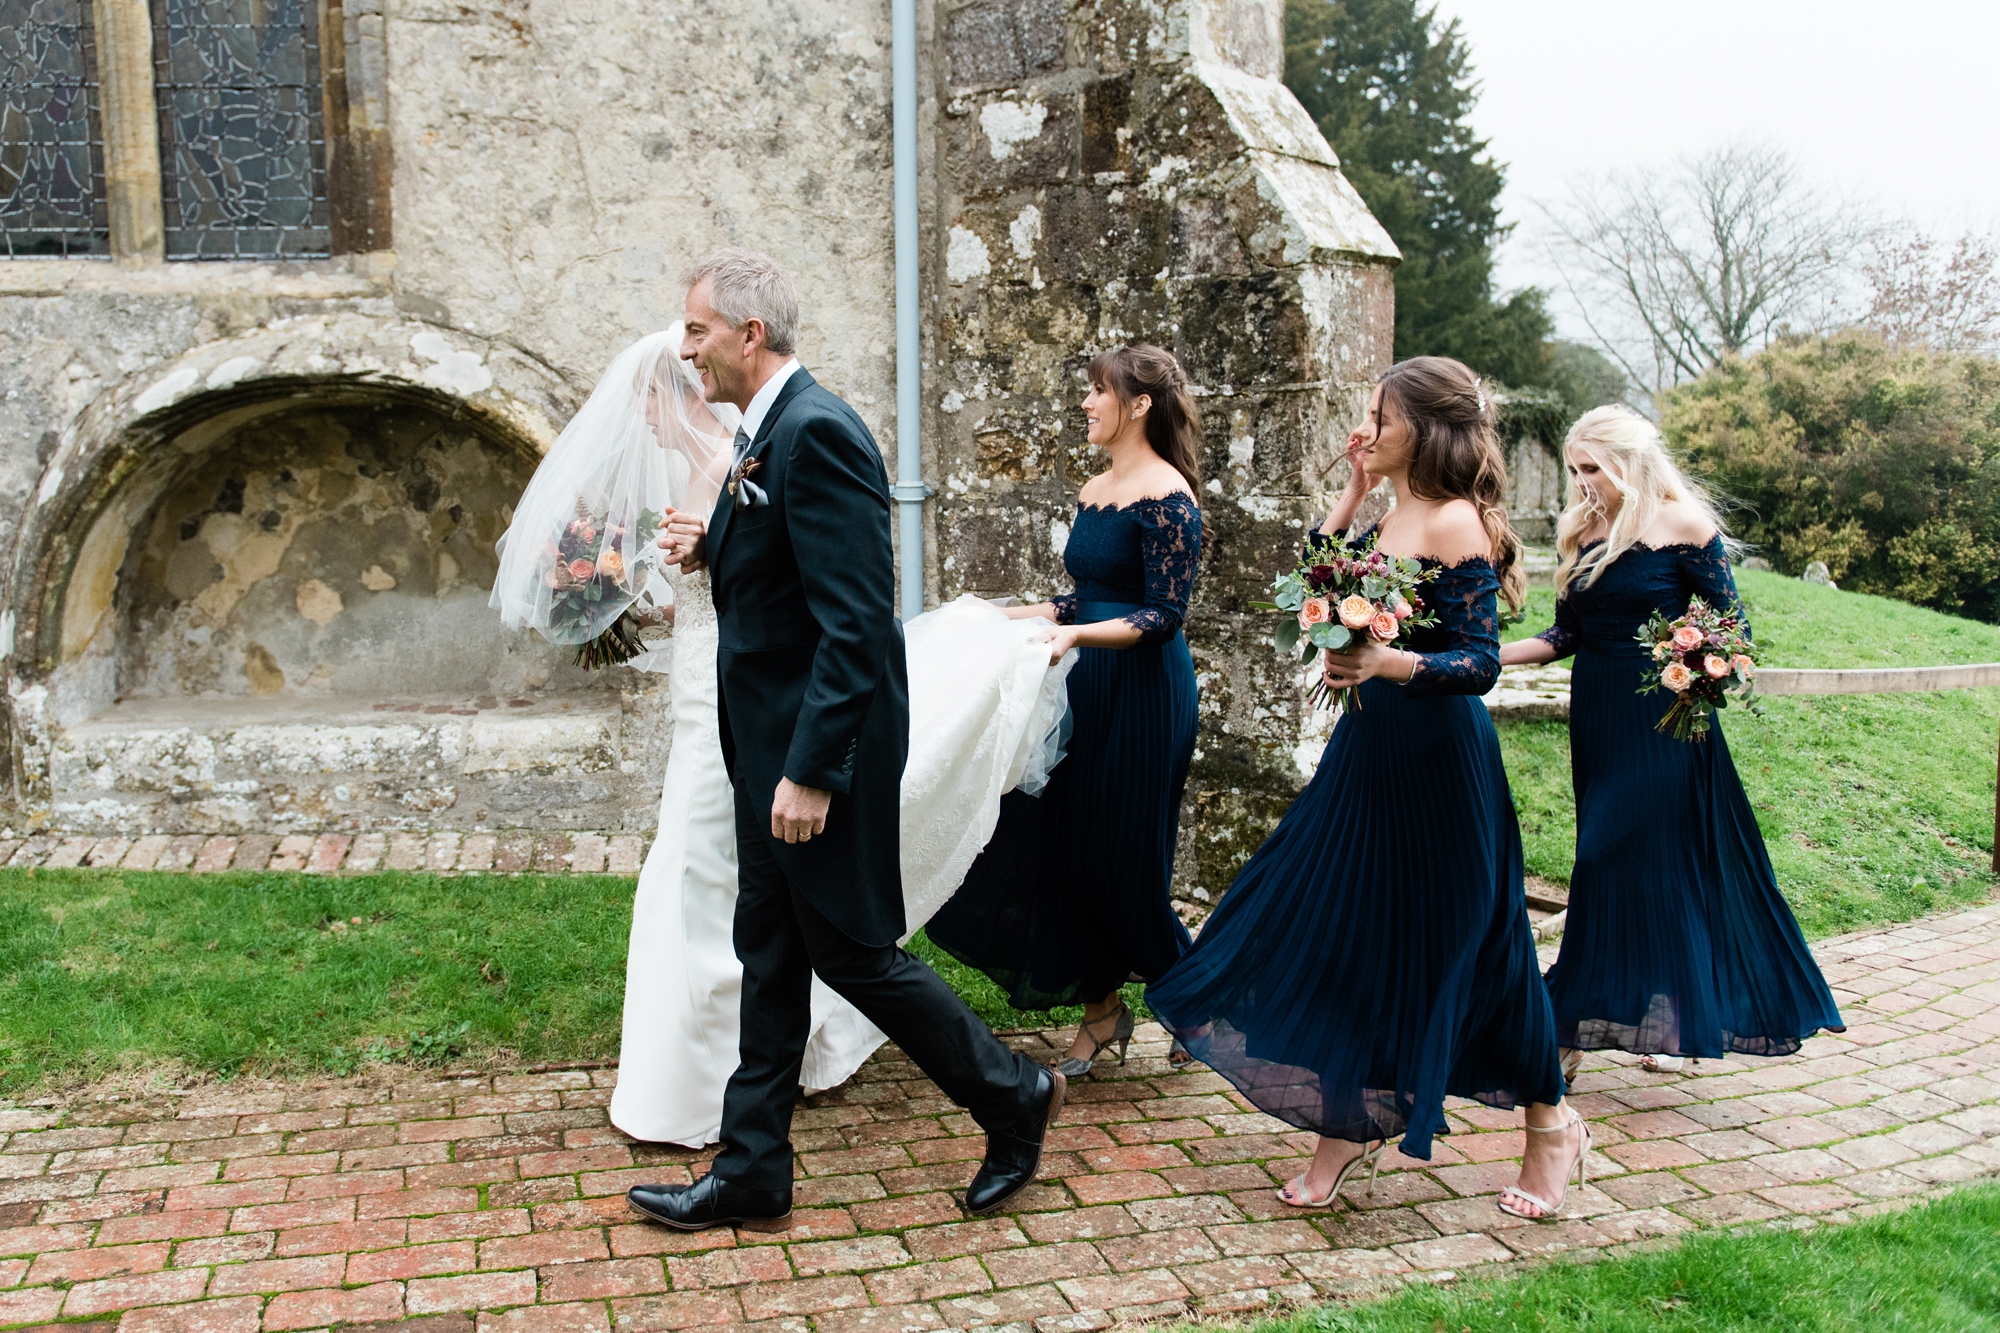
(273, 974)
(1875, 807)
(270, 973)
(1931, 1269)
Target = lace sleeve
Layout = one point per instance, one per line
(1565, 634)
(1170, 543)
(1469, 621)
(1705, 574)
(1065, 606)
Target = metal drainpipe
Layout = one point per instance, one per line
(909, 489)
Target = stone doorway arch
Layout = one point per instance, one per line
(251, 596)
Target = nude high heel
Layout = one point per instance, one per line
(1121, 1035)
(1372, 1159)
(1549, 1210)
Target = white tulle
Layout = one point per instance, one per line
(987, 712)
(643, 443)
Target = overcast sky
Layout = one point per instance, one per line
(1899, 103)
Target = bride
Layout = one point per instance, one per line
(986, 714)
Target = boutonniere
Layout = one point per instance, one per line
(742, 471)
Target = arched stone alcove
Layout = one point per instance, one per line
(256, 598)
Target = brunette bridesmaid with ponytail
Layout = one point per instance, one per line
(1374, 956)
(1070, 899)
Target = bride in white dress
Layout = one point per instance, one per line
(986, 715)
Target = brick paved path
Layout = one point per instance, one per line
(493, 1200)
(334, 853)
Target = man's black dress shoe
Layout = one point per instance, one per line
(708, 1202)
(1014, 1154)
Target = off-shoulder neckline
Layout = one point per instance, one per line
(1168, 498)
(1663, 546)
(1463, 562)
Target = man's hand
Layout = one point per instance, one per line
(798, 812)
(684, 537)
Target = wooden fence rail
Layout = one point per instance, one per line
(1891, 680)
(1888, 680)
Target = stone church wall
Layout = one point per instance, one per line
(1134, 171)
(241, 503)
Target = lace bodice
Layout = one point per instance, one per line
(694, 608)
(1606, 616)
(1142, 553)
(1461, 653)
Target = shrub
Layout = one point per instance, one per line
(1883, 462)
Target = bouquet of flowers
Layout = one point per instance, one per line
(1338, 597)
(595, 564)
(1705, 656)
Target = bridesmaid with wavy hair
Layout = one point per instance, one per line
(1677, 942)
(1374, 956)
(1071, 897)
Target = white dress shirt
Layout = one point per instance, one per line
(760, 405)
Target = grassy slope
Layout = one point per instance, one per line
(1875, 807)
(1932, 1269)
(243, 971)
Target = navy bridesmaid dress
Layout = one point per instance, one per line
(1677, 941)
(1375, 955)
(1070, 898)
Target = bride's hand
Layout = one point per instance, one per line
(684, 537)
(1345, 669)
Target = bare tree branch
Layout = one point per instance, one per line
(1708, 260)
(1923, 294)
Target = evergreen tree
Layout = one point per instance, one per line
(1392, 90)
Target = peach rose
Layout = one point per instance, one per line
(1717, 667)
(1356, 611)
(1677, 677)
(1316, 611)
(581, 569)
(1382, 626)
(1743, 665)
(1402, 609)
(1662, 651)
(1687, 637)
(611, 565)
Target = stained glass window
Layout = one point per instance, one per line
(51, 149)
(242, 153)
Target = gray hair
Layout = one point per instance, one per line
(744, 285)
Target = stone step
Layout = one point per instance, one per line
(1530, 693)
(445, 852)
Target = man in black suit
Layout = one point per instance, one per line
(815, 729)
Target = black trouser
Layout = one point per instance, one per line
(781, 940)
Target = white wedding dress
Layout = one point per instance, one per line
(986, 715)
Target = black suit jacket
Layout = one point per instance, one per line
(810, 661)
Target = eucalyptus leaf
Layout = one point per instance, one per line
(1286, 635)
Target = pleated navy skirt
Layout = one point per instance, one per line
(1677, 941)
(1071, 897)
(1375, 955)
